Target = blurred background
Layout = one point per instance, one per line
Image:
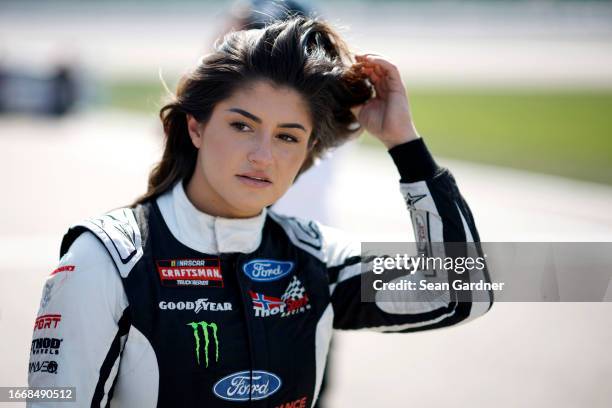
(514, 96)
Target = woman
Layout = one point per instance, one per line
(198, 294)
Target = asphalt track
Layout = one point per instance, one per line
(520, 354)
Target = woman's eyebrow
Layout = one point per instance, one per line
(245, 113)
(258, 120)
(292, 126)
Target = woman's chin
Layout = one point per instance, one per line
(248, 208)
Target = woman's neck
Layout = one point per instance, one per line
(203, 197)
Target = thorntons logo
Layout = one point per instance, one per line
(247, 385)
(267, 270)
(190, 272)
(293, 301)
(265, 306)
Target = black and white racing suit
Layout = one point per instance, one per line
(163, 305)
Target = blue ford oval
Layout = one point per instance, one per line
(267, 270)
(245, 385)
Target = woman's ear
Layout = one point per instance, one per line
(195, 131)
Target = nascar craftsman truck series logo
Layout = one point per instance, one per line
(190, 272)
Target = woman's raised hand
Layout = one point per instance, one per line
(386, 116)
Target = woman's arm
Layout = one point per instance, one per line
(438, 212)
(82, 324)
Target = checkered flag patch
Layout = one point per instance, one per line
(294, 291)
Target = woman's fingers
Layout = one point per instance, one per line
(380, 61)
(384, 69)
(379, 67)
(371, 74)
(385, 75)
(378, 79)
(375, 74)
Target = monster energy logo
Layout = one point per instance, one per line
(196, 334)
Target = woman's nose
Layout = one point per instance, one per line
(261, 152)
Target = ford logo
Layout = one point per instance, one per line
(247, 385)
(267, 270)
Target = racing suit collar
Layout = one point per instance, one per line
(206, 233)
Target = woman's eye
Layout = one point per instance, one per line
(288, 138)
(240, 126)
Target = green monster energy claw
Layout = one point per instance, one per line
(196, 335)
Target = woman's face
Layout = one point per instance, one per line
(250, 150)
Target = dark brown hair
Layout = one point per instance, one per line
(304, 54)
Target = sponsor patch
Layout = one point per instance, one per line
(420, 221)
(298, 403)
(64, 268)
(46, 345)
(54, 283)
(46, 297)
(267, 270)
(293, 301)
(43, 367)
(47, 321)
(421, 226)
(266, 305)
(197, 306)
(411, 200)
(247, 385)
(190, 272)
(207, 330)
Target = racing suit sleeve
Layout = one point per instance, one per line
(81, 325)
(439, 214)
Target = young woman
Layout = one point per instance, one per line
(199, 294)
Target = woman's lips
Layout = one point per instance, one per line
(253, 181)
